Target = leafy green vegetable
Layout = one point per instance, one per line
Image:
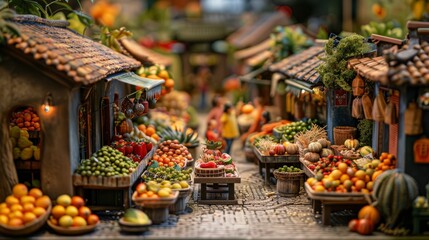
(333, 70)
(365, 132)
(5, 26)
(388, 29)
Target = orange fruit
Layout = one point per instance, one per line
(77, 201)
(16, 214)
(39, 211)
(27, 199)
(336, 174)
(29, 217)
(367, 178)
(65, 221)
(43, 202)
(359, 184)
(64, 200)
(142, 127)
(385, 167)
(15, 222)
(150, 193)
(16, 207)
(150, 131)
(72, 211)
(342, 167)
(5, 211)
(4, 219)
(370, 185)
(387, 161)
(79, 221)
(169, 83)
(28, 207)
(344, 177)
(93, 219)
(364, 191)
(58, 211)
(11, 200)
(53, 220)
(84, 212)
(35, 192)
(163, 74)
(3, 205)
(360, 174)
(319, 188)
(376, 174)
(19, 190)
(155, 136)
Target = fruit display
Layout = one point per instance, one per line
(26, 120)
(24, 206)
(107, 162)
(421, 202)
(286, 168)
(153, 189)
(326, 165)
(171, 152)
(23, 148)
(136, 216)
(135, 150)
(172, 174)
(158, 73)
(71, 212)
(394, 193)
(351, 143)
(213, 158)
(175, 103)
(289, 131)
(186, 136)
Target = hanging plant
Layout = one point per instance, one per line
(333, 70)
(365, 132)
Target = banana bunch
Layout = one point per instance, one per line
(187, 136)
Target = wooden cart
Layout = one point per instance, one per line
(270, 161)
(218, 185)
(331, 201)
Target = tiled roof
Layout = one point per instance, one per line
(302, 66)
(80, 58)
(374, 69)
(410, 64)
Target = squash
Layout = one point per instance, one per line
(292, 148)
(394, 193)
(369, 212)
(325, 143)
(365, 150)
(315, 147)
(247, 108)
(312, 157)
(126, 126)
(326, 152)
(351, 143)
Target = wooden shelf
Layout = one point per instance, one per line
(27, 165)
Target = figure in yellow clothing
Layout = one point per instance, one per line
(229, 126)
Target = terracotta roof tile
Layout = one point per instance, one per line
(79, 57)
(374, 69)
(302, 66)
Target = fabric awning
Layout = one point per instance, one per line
(296, 87)
(152, 87)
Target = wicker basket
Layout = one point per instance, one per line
(208, 172)
(342, 133)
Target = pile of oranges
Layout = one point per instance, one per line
(149, 130)
(23, 206)
(72, 212)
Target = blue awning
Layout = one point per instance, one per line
(152, 87)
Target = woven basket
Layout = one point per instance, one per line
(288, 183)
(209, 172)
(288, 175)
(342, 133)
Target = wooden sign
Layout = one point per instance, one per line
(340, 96)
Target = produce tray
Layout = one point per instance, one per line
(305, 168)
(155, 202)
(184, 192)
(99, 182)
(288, 158)
(72, 230)
(336, 197)
(26, 229)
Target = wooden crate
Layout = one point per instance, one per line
(218, 185)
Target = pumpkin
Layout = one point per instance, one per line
(279, 149)
(394, 193)
(325, 143)
(326, 152)
(365, 227)
(315, 147)
(292, 148)
(126, 126)
(365, 150)
(247, 108)
(369, 212)
(312, 157)
(351, 143)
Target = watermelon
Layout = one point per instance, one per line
(226, 158)
(230, 168)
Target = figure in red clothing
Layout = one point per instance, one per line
(212, 133)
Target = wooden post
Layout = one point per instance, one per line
(8, 175)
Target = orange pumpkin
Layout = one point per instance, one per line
(247, 108)
(371, 213)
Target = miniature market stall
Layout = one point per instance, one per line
(60, 67)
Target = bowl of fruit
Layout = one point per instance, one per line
(24, 212)
(155, 195)
(70, 216)
(134, 221)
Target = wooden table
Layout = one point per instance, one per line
(270, 161)
(217, 185)
(328, 202)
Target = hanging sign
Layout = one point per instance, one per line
(340, 98)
